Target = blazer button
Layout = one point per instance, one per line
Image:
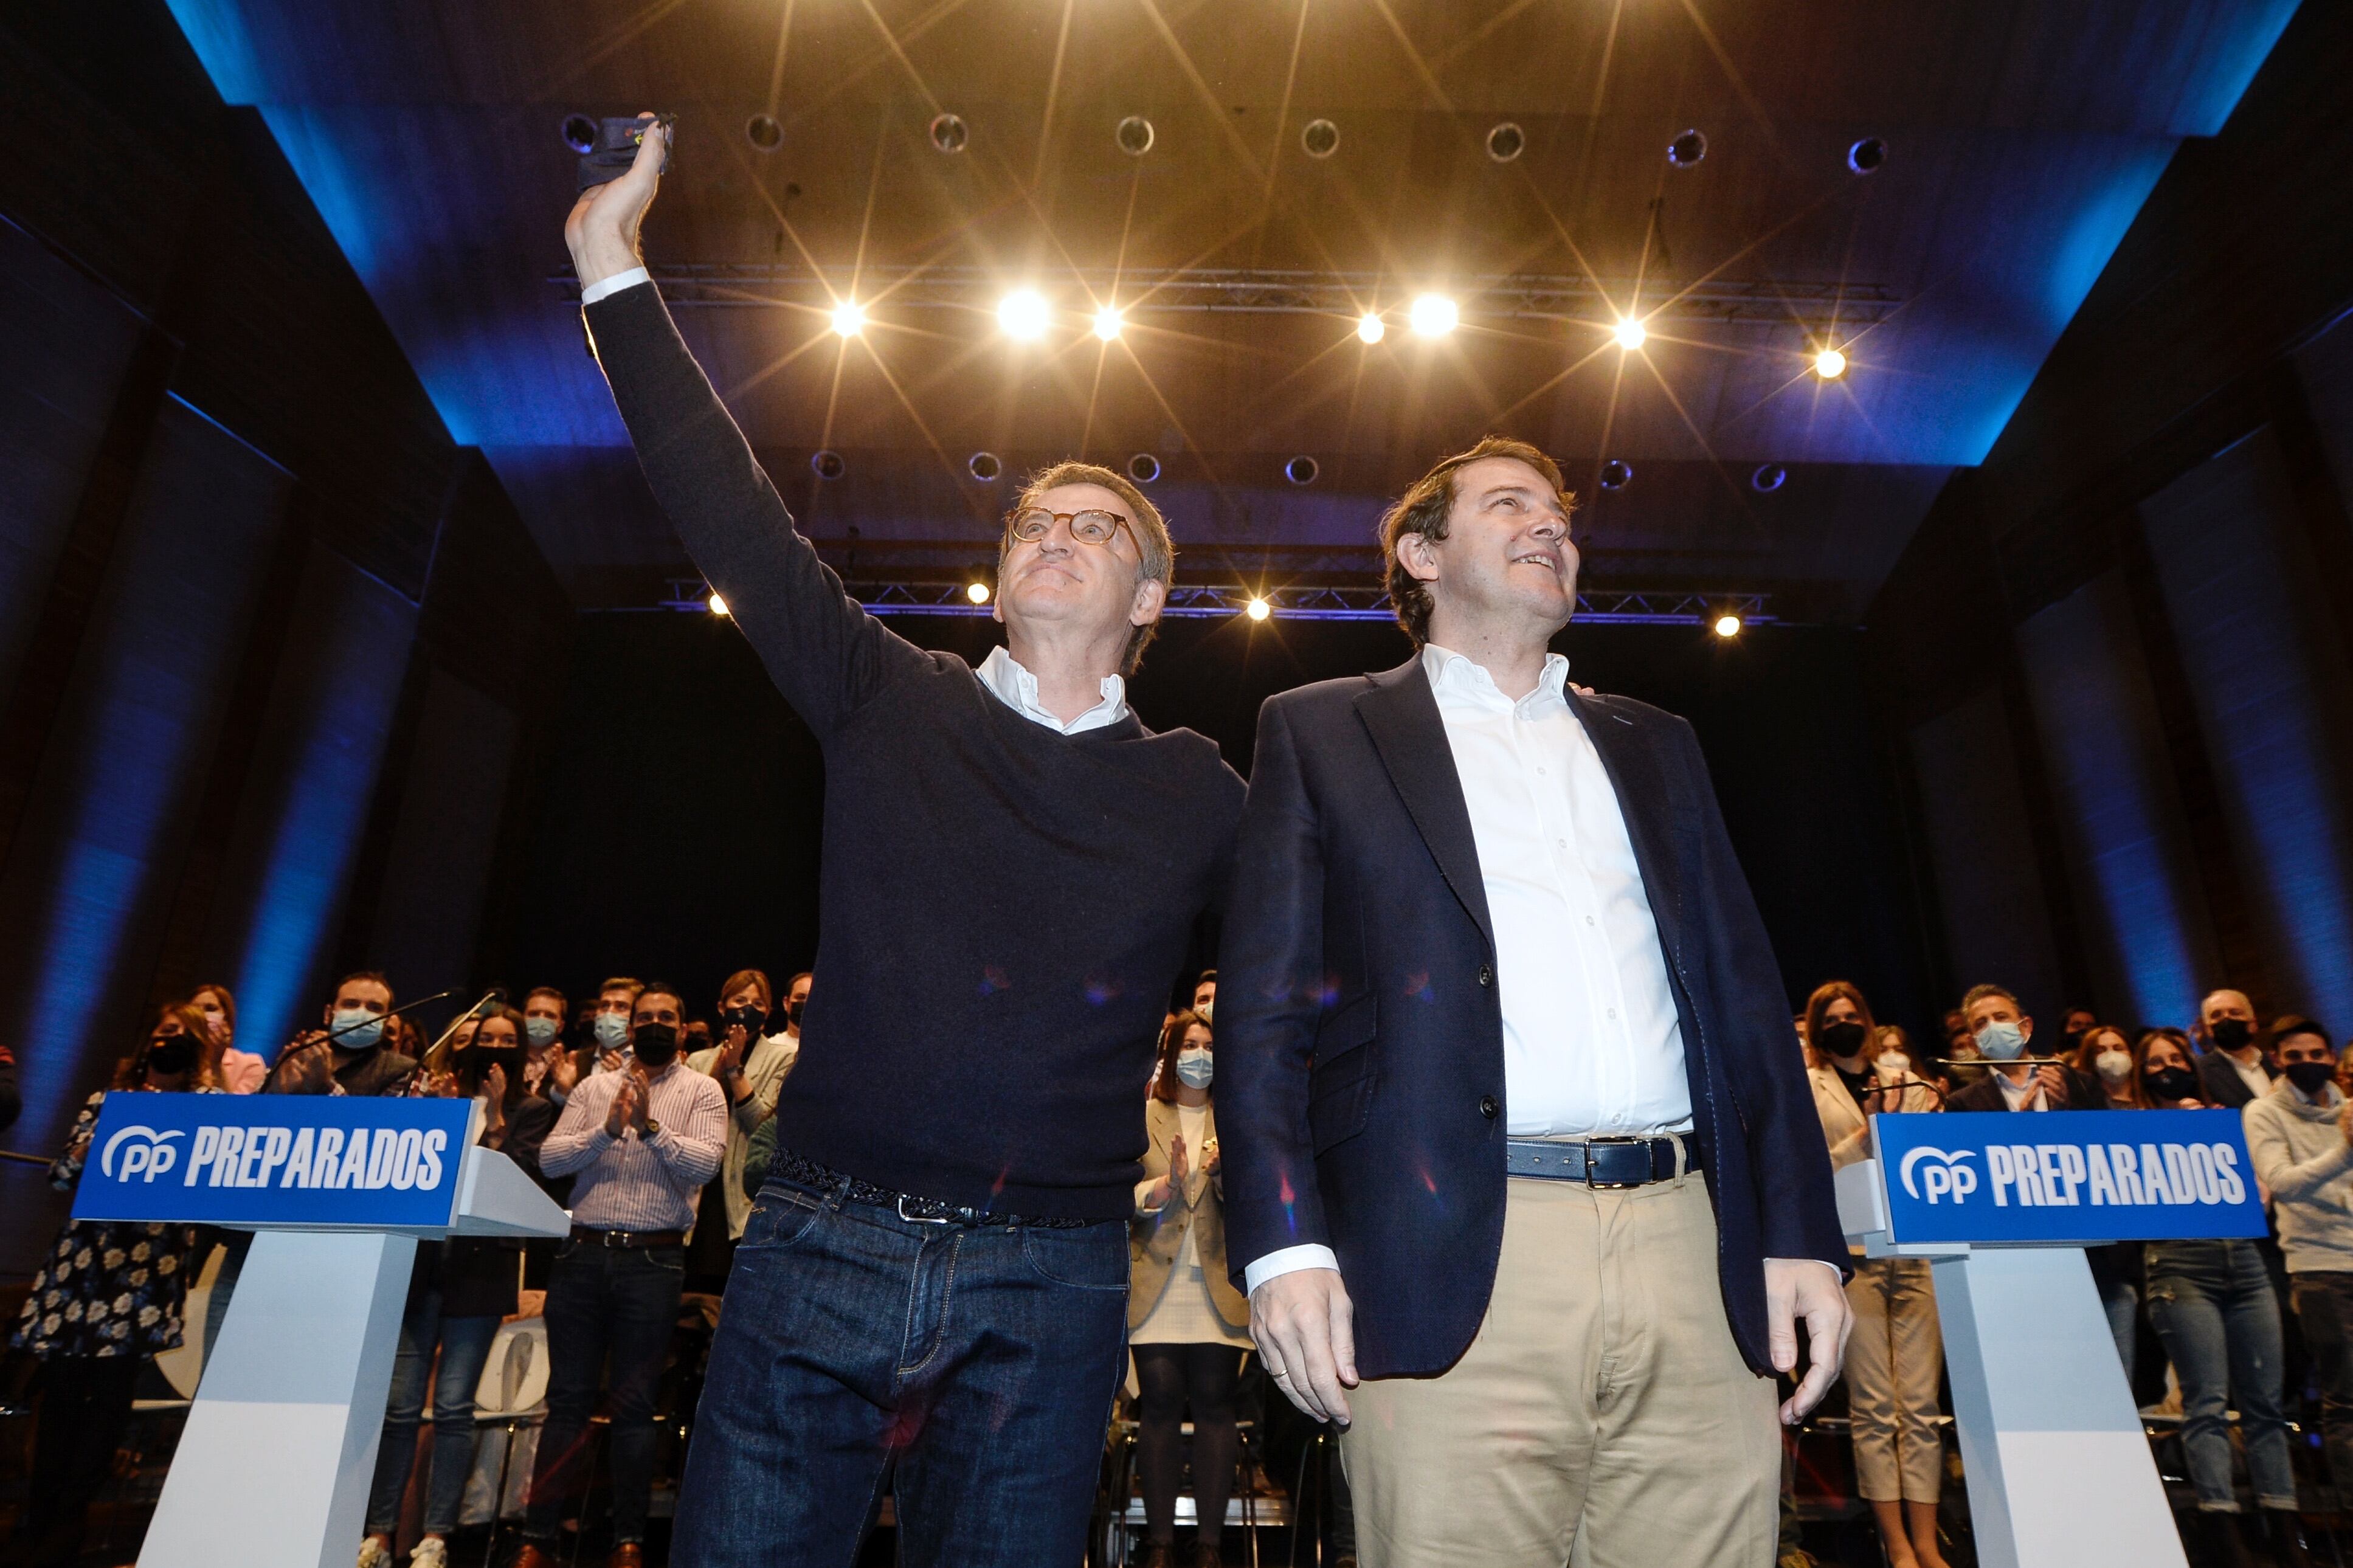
(1486, 975)
(1487, 1107)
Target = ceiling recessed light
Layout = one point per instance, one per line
(1615, 475)
(1728, 625)
(984, 467)
(1686, 150)
(949, 133)
(1320, 139)
(1144, 468)
(1302, 470)
(764, 134)
(1257, 609)
(1830, 364)
(1506, 142)
(1630, 334)
(1134, 135)
(978, 593)
(1107, 323)
(1768, 478)
(1369, 328)
(1867, 154)
(848, 318)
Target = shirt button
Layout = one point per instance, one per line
(1613, 1011)
(1487, 1107)
(1486, 975)
(1562, 843)
(1588, 920)
(1540, 770)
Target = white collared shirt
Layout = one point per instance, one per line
(2251, 1072)
(2027, 1096)
(1017, 689)
(1593, 1044)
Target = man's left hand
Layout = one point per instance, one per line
(1798, 1288)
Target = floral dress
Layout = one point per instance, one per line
(106, 1289)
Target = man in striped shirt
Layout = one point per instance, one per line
(640, 1143)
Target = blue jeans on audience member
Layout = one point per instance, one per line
(465, 1344)
(2121, 1305)
(982, 1359)
(2211, 1303)
(620, 1301)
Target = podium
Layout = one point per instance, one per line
(280, 1449)
(2060, 1473)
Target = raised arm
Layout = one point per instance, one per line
(824, 652)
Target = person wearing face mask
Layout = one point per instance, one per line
(459, 1290)
(353, 1053)
(2004, 1036)
(749, 1064)
(106, 1298)
(2104, 1054)
(2300, 1138)
(2212, 1305)
(240, 1072)
(1895, 1355)
(2233, 1068)
(1188, 1326)
(639, 1141)
(1204, 994)
(545, 1012)
(760, 1148)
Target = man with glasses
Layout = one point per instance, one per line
(934, 1274)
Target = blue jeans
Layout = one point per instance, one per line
(981, 1359)
(2120, 1303)
(2211, 1303)
(616, 1301)
(465, 1345)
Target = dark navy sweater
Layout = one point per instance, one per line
(1003, 908)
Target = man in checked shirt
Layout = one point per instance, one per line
(638, 1143)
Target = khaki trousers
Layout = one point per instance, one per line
(1892, 1366)
(1602, 1406)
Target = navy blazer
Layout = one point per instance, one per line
(1360, 1037)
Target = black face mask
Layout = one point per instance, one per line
(656, 1045)
(2231, 1034)
(169, 1054)
(2309, 1076)
(793, 1012)
(1842, 1039)
(753, 1021)
(2171, 1083)
(482, 1058)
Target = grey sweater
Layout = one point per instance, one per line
(2303, 1161)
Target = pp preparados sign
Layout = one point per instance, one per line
(308, 1161)
(2067, 1177)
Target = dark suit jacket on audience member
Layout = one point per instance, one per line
(2082, 1094)
(1360, 1046)
(2220, 1084)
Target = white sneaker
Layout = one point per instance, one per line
(431, 1553)
(374, 1553)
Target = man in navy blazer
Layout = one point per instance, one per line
(1514, 1127)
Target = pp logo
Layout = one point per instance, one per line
(1950, 1178)
(149, 1157)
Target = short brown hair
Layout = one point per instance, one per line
(1978, 994)
(625, 983)
(1428, 506)
(1152, 540)
(1171, 1040)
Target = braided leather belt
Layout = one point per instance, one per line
(917, 1210)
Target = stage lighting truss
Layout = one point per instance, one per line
(1843, 307)
(1297, 602)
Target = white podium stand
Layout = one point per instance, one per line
(2060, 1474)
(274, 1466)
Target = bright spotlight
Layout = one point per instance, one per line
(1830, 364)
(1369, 328)
(978, 593)
(1630, 334)
(1257, 609)
(848, 318)
(1433, 315)
(1107, 323)
(1023, 314)
(1728, 625)
(718, 605)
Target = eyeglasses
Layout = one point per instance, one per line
(1092, 526)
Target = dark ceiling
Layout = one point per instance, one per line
(2020, 141)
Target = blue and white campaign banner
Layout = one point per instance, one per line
(2067, 1177)
(310, 1162)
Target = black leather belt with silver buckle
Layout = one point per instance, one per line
(590, 1234)
(1596, 1162)
(917, 1210)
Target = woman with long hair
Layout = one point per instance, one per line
(457, 1292)
(241, 1072)
(2104, 1056)
(1896, 1353)
(1188, 1326)
(107, 1297)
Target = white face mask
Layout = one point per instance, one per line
(1894, 1065)
(1206, 1008)
(1194, 1068)
(2113, 1066)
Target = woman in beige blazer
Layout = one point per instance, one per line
(1188, 1326)
(1897, 1352)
